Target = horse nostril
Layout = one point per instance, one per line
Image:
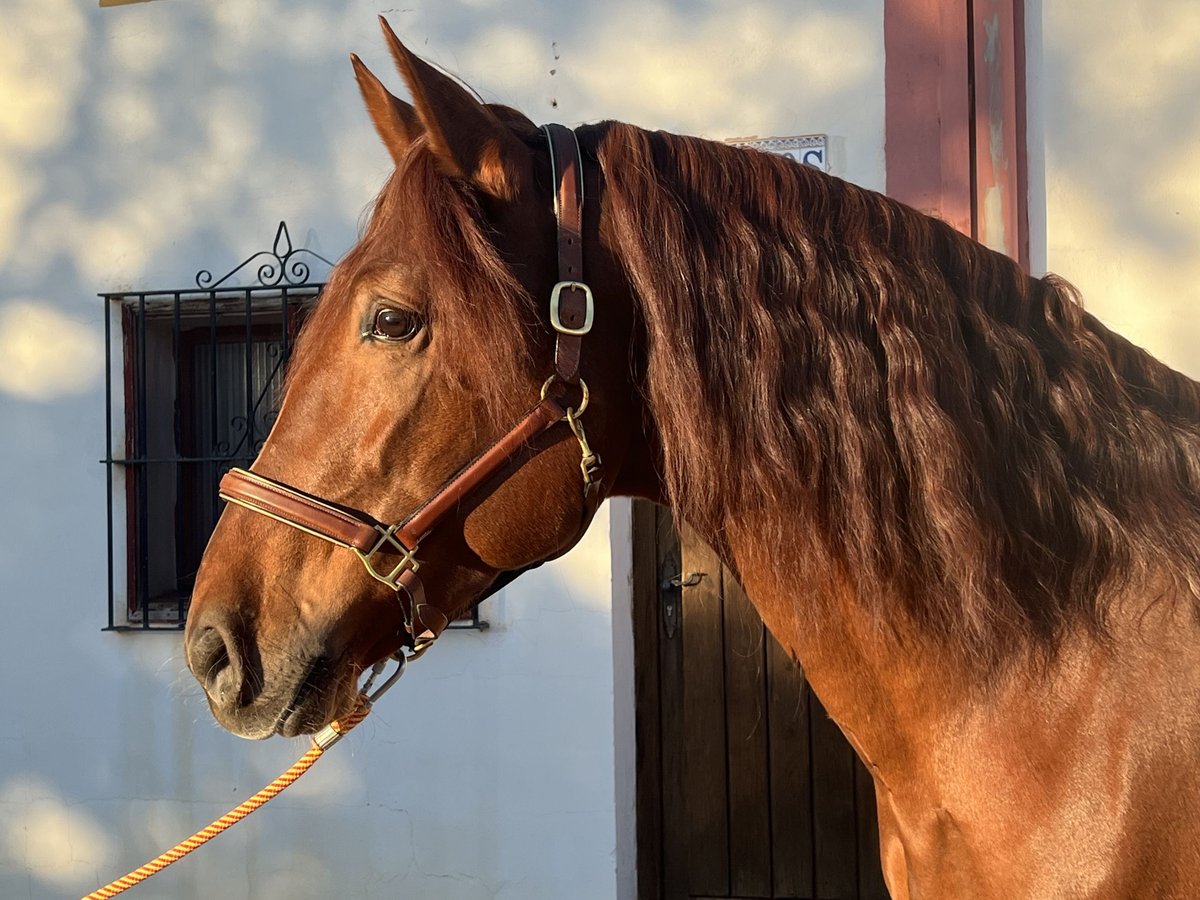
(214, 660)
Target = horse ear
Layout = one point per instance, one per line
(468, 140)
(395, 120)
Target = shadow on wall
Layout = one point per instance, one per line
(129, 159)
(1122, 132)
(714, 69)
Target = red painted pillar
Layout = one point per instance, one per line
(1001, 220)
(928, 139)
(955, 129)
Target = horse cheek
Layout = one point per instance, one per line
(527, 519)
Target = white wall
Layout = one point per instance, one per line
(1116, 208)
(141, 143)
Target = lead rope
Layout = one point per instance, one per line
(321, 741)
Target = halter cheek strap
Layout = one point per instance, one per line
(388, 552)
(572, 309)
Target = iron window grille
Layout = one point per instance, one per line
(193, 386)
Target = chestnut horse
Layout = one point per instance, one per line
(968, 508)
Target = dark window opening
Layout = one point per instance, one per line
(202, 376)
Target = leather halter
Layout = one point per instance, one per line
(377, 544)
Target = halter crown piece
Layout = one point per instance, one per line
(389, 552)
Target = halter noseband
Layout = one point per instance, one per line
(373, 542)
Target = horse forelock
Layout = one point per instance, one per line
(861, 385)
(483, 319)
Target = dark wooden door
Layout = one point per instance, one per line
(746, 789)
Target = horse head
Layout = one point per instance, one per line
(430, 355)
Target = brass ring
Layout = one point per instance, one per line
(583, 400)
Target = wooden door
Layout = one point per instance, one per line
(745, 787)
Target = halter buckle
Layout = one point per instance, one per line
(388, 539)
(556, 308)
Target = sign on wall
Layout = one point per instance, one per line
(809, 149)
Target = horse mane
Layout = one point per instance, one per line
(868, 389)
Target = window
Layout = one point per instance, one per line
(194, 384)
(194, 380)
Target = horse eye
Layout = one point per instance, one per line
(393, 324)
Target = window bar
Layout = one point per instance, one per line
(249, 379)
(285, 352)
(108, 446)
(214, 429)
(287, 344)
(180, 512)
(143, 505)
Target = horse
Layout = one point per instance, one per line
(968, 508)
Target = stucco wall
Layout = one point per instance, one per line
(141, 143)
(1116, 208)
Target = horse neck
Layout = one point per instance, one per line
(640, 472)
(978, 772)
(904, 681)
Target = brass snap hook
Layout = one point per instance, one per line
(589, 465)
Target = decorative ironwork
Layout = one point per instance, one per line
(276, 266)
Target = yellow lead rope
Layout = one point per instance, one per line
(322, 741)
